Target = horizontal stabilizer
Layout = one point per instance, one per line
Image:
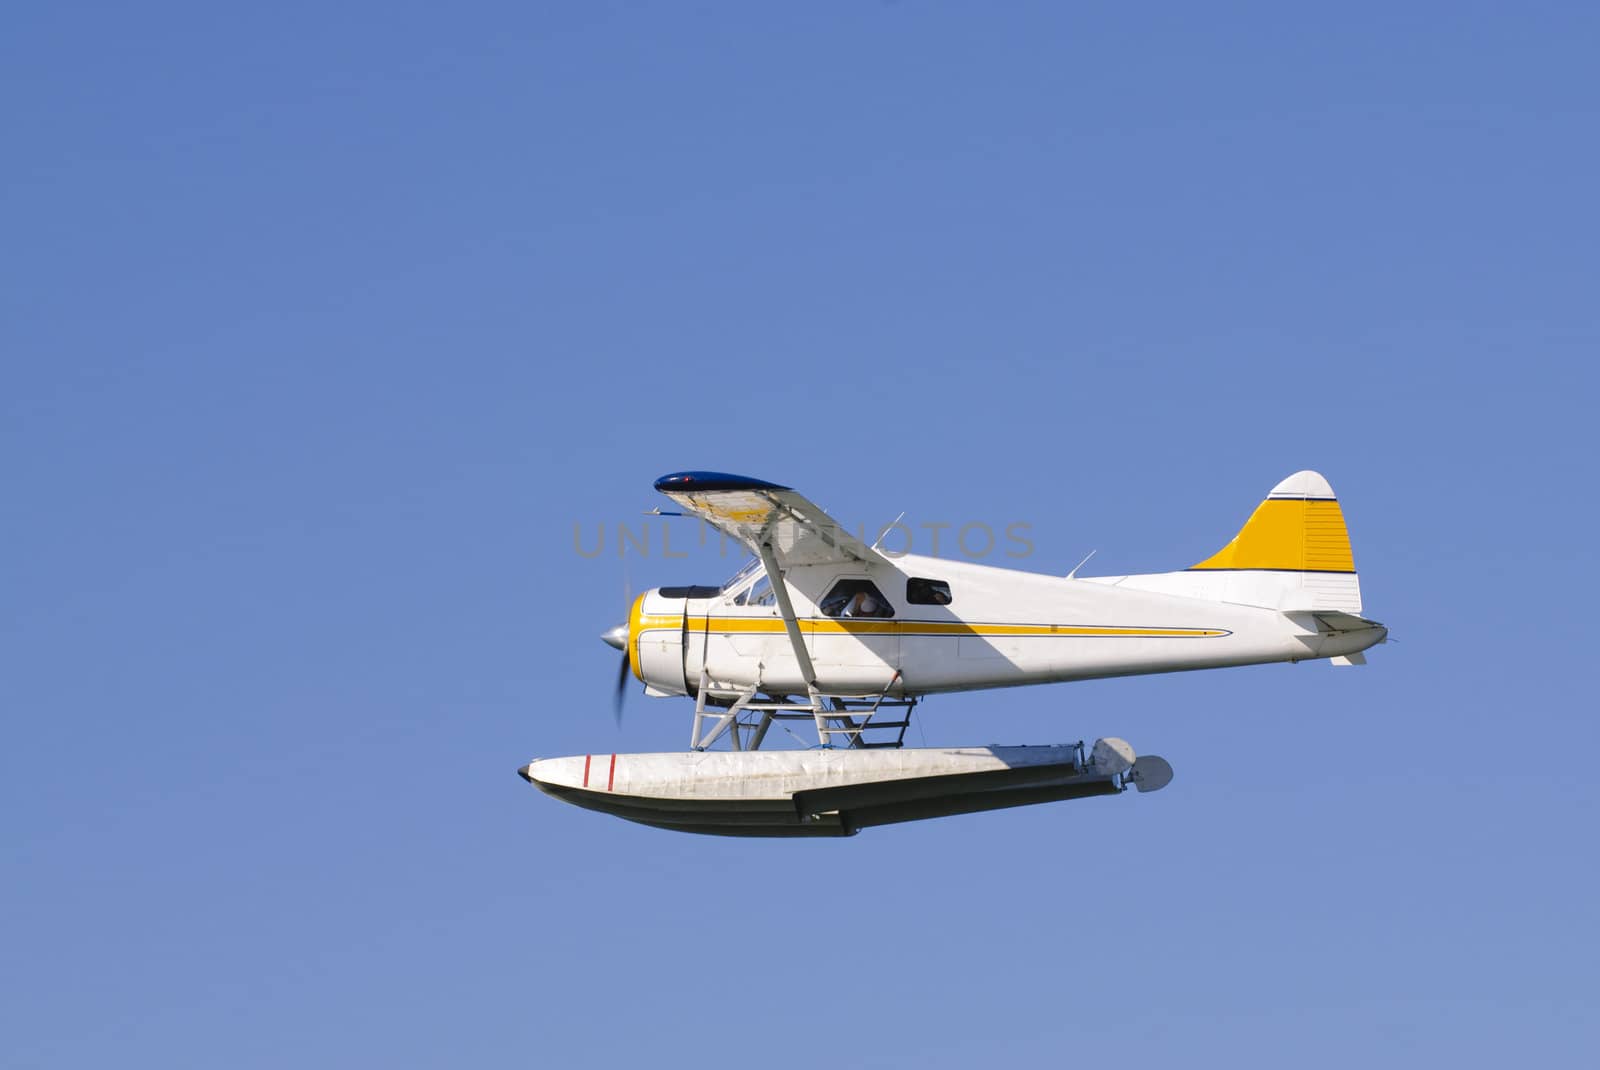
(1344, 622)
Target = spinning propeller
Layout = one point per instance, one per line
(617, 639)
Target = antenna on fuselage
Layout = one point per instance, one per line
(887, 528)
(1074, 573)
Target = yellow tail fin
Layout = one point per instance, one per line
(1299, 528)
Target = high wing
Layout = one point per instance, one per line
(754, 512)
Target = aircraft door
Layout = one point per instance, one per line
(745, 642)
(856, 638)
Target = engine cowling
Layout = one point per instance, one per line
(656, 627)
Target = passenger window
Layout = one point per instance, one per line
(920, 592)
(855, 598)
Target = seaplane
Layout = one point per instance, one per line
(846, 638)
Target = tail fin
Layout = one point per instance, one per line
(1299, 528)
(1293, 553)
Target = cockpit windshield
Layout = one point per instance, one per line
(738, 579)
(760, 594)
(750, 586)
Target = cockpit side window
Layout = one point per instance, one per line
(855, 598)
(921, 592)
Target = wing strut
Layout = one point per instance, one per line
(780, 589)
(769, 561)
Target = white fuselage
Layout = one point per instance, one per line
(1001, 628)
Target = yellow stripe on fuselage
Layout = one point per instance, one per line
(831, 626)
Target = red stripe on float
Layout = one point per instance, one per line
(586, 758)
(611, 777)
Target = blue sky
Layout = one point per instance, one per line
(322, 328)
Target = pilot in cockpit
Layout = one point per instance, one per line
(862, 605)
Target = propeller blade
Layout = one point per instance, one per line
(622, 689)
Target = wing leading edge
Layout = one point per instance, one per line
(754, 511)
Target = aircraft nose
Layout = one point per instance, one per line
(616, 638)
